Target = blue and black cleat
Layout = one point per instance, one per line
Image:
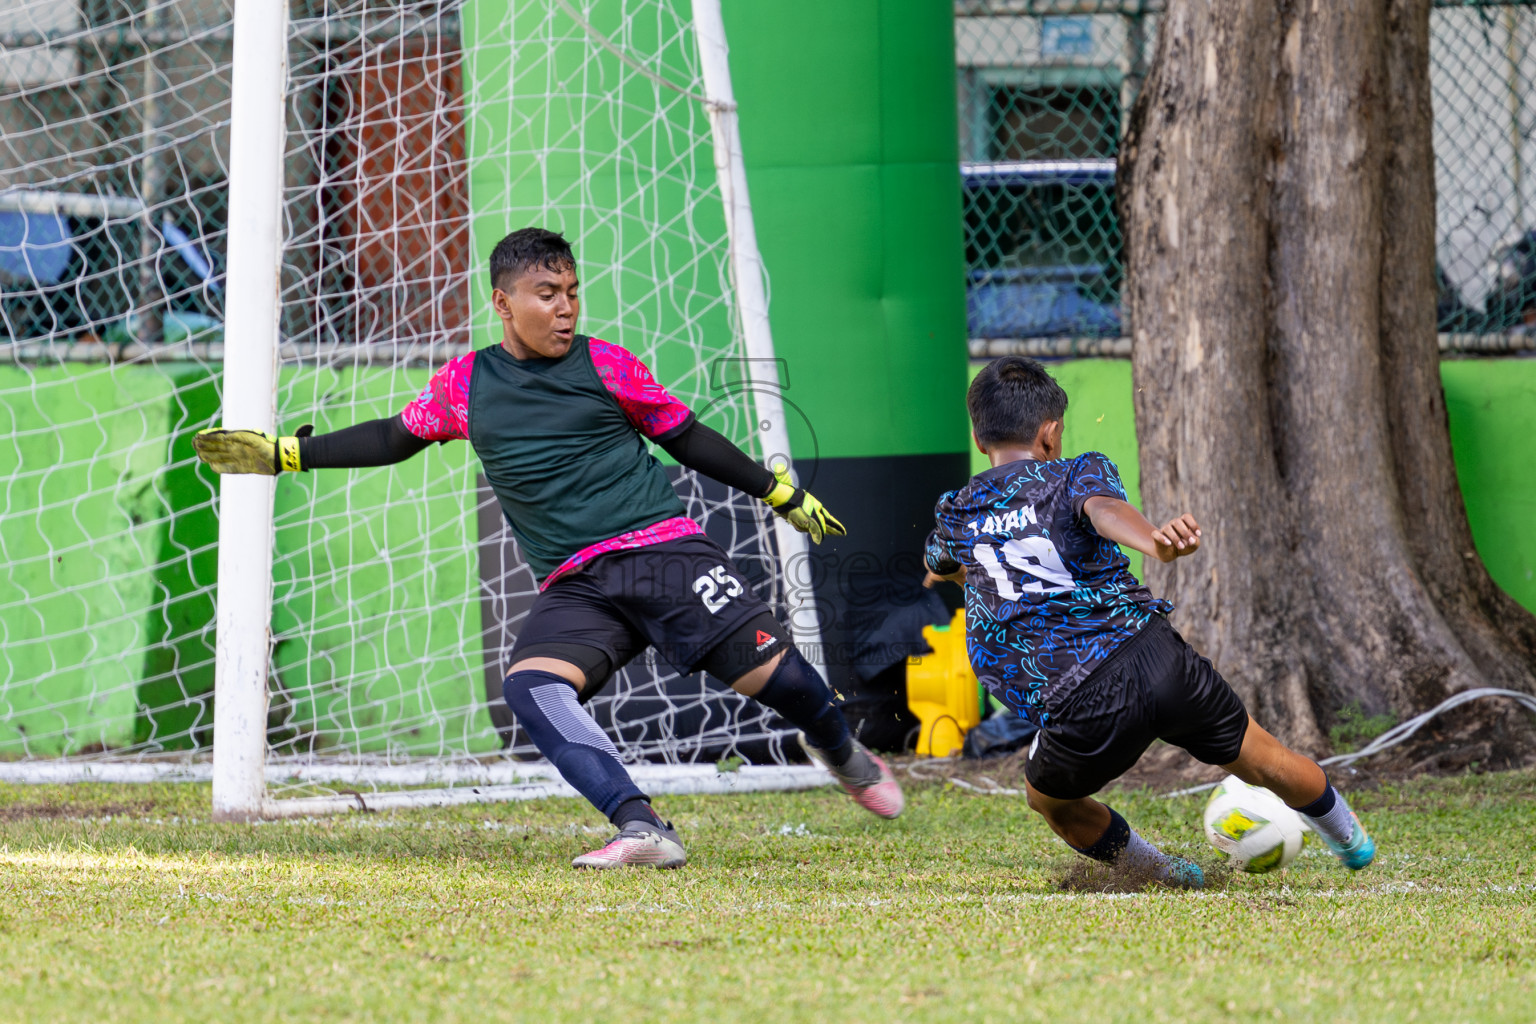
(1182, 874)
(1358, 852)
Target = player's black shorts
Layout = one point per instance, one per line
(1153, 686)
(683, 597)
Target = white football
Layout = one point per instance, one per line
(1252, 826)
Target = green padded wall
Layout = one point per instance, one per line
(94, 565)
(108, 557)
(80, 539)
(1492, 408)
(848, 124)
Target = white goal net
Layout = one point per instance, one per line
(416, 135)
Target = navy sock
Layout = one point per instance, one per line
(545, 706)
(636, 808)
(797, 692)
(1322, 805)
(1329, 815)
(1122, 848)
(1112, 843)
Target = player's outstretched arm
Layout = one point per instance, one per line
(1121, 522)
(381, 442)
(709, 452)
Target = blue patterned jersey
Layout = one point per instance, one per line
(1046, 598)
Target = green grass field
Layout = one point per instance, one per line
(123, 903)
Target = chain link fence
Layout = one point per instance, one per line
(114, 142)
(1045, 89)
(113, 136)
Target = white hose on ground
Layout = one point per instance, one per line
(1391, 738)
(1398, 733)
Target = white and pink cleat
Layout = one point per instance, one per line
(641, 844)
(864, 777)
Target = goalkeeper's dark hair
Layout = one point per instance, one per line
(1010, 398)
(529, 249)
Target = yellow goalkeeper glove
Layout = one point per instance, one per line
(801, 508)
(250, 451)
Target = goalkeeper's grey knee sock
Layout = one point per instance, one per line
(1329, 815)
(797, 692)
(545, 706)
(1122, 847)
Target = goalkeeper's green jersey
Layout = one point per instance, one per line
(561, 442)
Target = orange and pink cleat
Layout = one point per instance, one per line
(864, 777)
(639, 844)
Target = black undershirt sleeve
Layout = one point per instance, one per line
(373, 443)
(710, 452)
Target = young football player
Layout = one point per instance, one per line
(1060, 631)
(560, 421)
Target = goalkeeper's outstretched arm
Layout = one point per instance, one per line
(380, 442)
(710, 452)
(655, 413)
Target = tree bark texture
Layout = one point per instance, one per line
(1277, 194)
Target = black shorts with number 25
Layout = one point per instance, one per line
(1153, 686)
(683, 597)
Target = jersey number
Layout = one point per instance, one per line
(1033, 556)
(708, 587)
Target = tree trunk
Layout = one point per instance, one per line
(1277, 193)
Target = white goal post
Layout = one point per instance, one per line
(259, 72)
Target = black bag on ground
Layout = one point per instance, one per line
(999, 735)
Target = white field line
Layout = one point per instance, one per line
(904, 904)
(364, 773)
(170, 865)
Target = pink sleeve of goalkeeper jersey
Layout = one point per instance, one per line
(650, 407)
(441, 411)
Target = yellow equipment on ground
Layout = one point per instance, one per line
(942, 690)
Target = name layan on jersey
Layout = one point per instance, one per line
(1046, 598)
(1033, 556)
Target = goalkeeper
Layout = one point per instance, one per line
(559, 421)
